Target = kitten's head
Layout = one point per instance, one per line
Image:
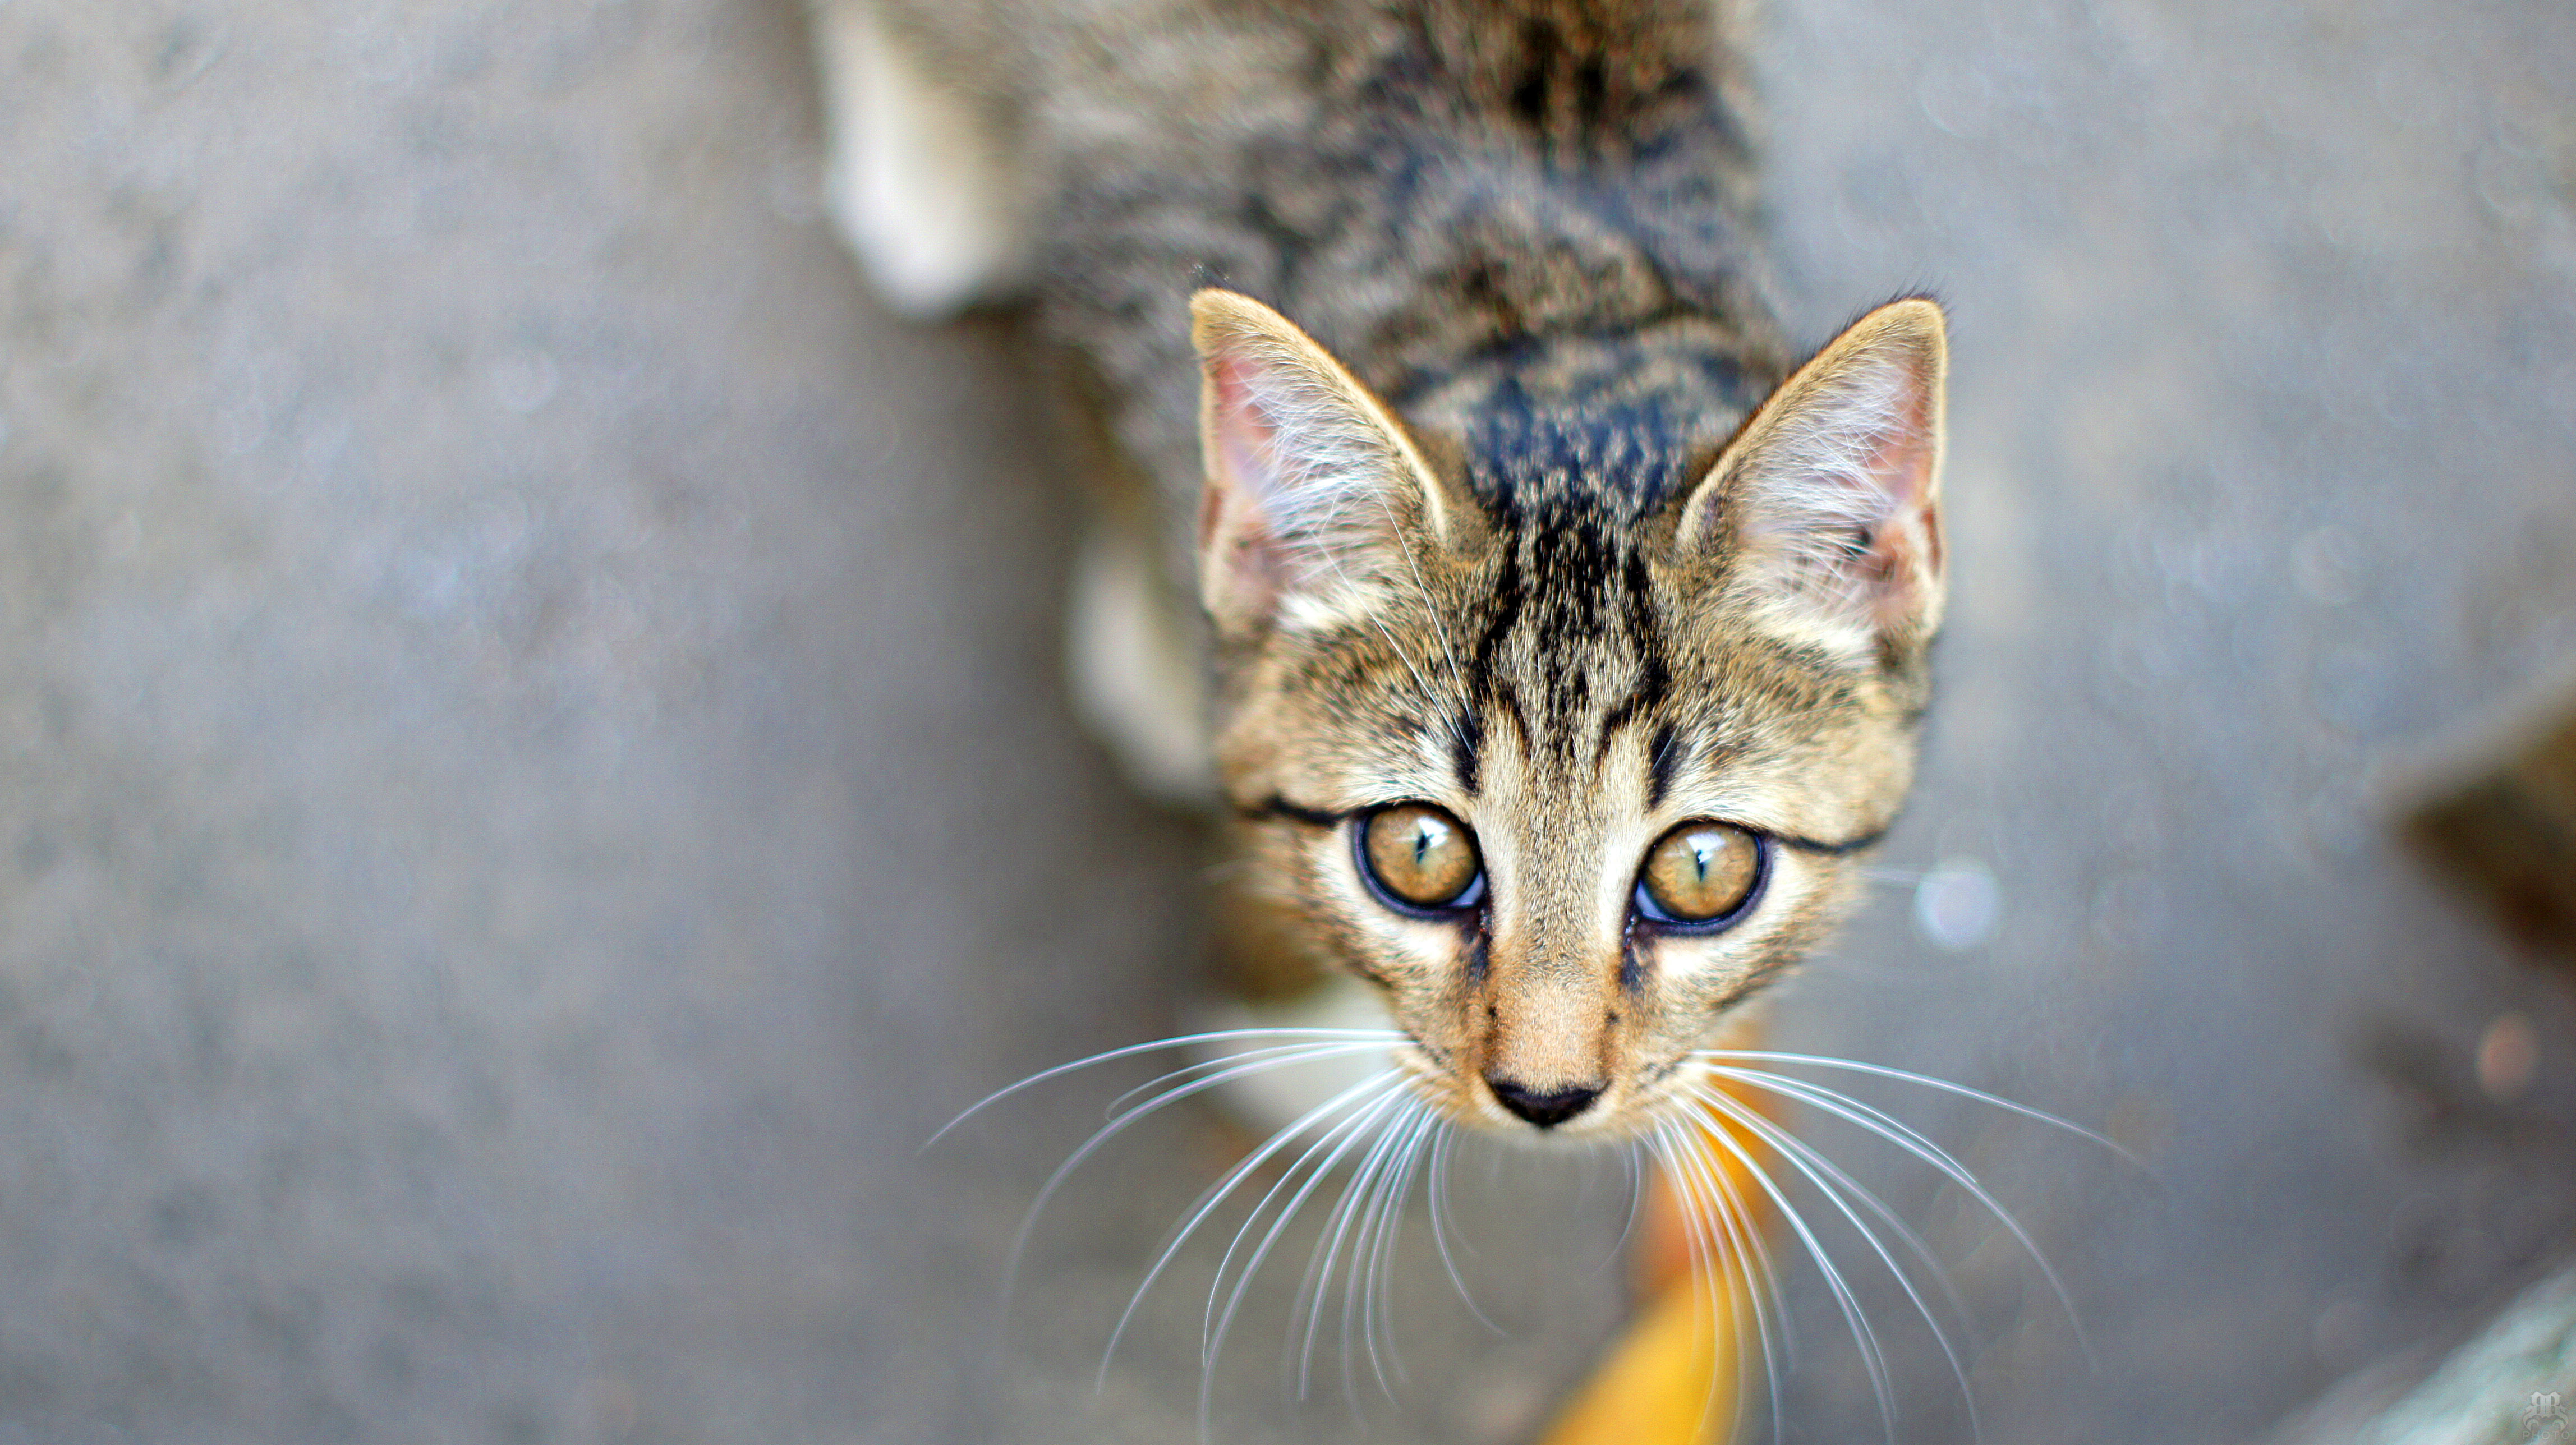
(1569, 771)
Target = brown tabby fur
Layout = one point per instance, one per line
(1562, 569)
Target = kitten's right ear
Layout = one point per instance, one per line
(1316, 499)
(1828, 501)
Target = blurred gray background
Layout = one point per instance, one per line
(533, 771)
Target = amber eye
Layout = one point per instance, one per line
(1419, 857)
(1700, 873)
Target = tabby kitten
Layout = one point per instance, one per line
(1566, 641)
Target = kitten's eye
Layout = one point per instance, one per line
(1420, 857)
(1700, 873)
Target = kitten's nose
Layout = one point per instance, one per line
(1546, 1110)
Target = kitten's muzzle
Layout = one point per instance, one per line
(1545, 1109)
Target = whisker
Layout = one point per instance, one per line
(1394, 1234)
(1216, 1194)
(1786, 1141)
(1746, 1236)
(1363, 1200)
(1636, 1206)
(1275, 1054)
(1831, 1183)
(1118, 1123)
(1440, 1229)
(1388, 1036)
(1215, 1327)
(1896, 1131)
(1703, 1277)
(1376, 1237)
(1325, 1257)
(1323, 1261)
(1927, 1081)
(1350, 1130)
(1700, 1186)
(1872, 1360)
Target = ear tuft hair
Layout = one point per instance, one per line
(1313, 490)
(1832, 490)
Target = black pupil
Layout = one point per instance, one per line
(1700, 851)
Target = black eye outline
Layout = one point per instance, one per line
(1470, 899)
(1643, 909)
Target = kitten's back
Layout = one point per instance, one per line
(1443, 193)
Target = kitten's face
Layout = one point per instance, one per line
(1568, 785)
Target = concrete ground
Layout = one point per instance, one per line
(533, 772)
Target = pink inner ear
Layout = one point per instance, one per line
(1238, 547)
(1905, 544)
(1903, 461)
(1246, 441)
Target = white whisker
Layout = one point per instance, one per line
(1216, 1194)
(1363, 1199)
(1387, 1036)
(1120, 1121)
(1325, 1258)
(1896, 1131)
(1339, 1140)
(1872, 1360)
(1884, 1071)
(1385, 1214)
(1709, 1205)
(1702, 1273)
(1636, 1206)
(1787, 1142)
(1275, 1055)
(1831, 1182)
(1215, 1326)
(1440, 1228)
(1747, 1237)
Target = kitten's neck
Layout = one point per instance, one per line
(1561, 216)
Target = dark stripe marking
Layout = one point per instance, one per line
(1466, 748)
(1849, 845)
(1661, 759)
(1278, 807)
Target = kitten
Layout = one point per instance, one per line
(1565, 642)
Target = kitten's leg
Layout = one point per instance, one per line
(1137, 679)
(1138, 683)
(1265, 1102)
(925, 178)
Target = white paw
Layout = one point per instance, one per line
(1137, 677)
(923, 184)
(1271, 1101)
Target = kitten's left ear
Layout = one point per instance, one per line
(1830, 496)
(1316, 501)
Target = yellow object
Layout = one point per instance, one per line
(1673, 1377)
(1671, 1380)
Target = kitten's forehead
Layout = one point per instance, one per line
(1610, 697)
(1569, 642)
(1566, 631)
